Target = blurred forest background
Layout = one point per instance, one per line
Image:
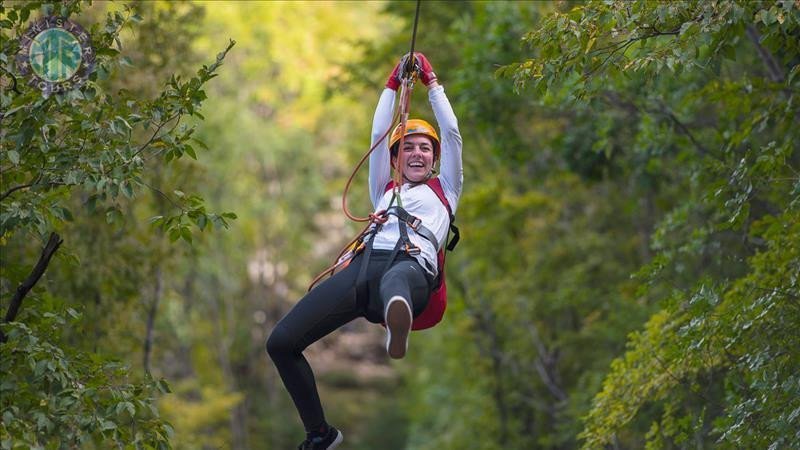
(628, 272)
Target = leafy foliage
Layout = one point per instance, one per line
(720, 75)
(93, 140)
(69, 159)
(54, 396)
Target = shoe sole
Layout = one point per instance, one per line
(398, 326)
(337, 441)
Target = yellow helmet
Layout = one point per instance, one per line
(415, 126)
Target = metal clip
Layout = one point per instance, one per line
(412, 250)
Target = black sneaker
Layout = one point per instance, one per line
(398, 326)
(329, 441)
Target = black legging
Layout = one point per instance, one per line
(332, 304)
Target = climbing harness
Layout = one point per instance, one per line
(363, 241)
(437, 300)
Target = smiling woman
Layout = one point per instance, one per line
(417, 153)
(391, 279)
(420, 150)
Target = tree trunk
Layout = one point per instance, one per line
(645, 225)
(772, 65)
(223, 325)
(490, 347)
(48, 251)
(151, 318)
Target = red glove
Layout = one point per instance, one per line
(422, 65)
(426, 74)
(394, 78)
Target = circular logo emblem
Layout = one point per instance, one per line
(56, 54)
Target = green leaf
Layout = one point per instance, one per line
(13, 110)
(127, 190)
(190, 151)
(127, 407)
(111, 215)
(793, 73)
(163, 386)
(186, 234)
(589, 45)
(106, 51)
(91, 204)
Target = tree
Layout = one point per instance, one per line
(92, 144)
(708, 86)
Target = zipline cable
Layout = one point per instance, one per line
(414, 34)
(408, 86)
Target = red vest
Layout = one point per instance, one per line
(437, 302)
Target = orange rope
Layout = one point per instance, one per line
(402, 114)
(374, 218)
(355, 171)
(332, 268)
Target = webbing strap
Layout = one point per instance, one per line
(415, 223)
(362, 272)
(451, 244)
(370, 238)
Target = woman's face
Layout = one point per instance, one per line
(417, 157)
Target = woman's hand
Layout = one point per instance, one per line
(421, 64)
(426, 74)
(395, 77)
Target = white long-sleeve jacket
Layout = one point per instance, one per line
(419, 200)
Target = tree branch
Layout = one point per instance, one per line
(614, 99)
(162, 194)
(545, 362)
(26, 186)
(684, 129)
(623, 45)
(775, 70)
(13, 85)
(16, 188)
(148, 142)
(44, 260)
(155, 133)
(31, 184)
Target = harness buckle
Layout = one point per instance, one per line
(412, 250)
(414, 223)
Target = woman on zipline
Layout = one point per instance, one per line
(391, 280)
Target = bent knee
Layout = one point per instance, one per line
(280, 341)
